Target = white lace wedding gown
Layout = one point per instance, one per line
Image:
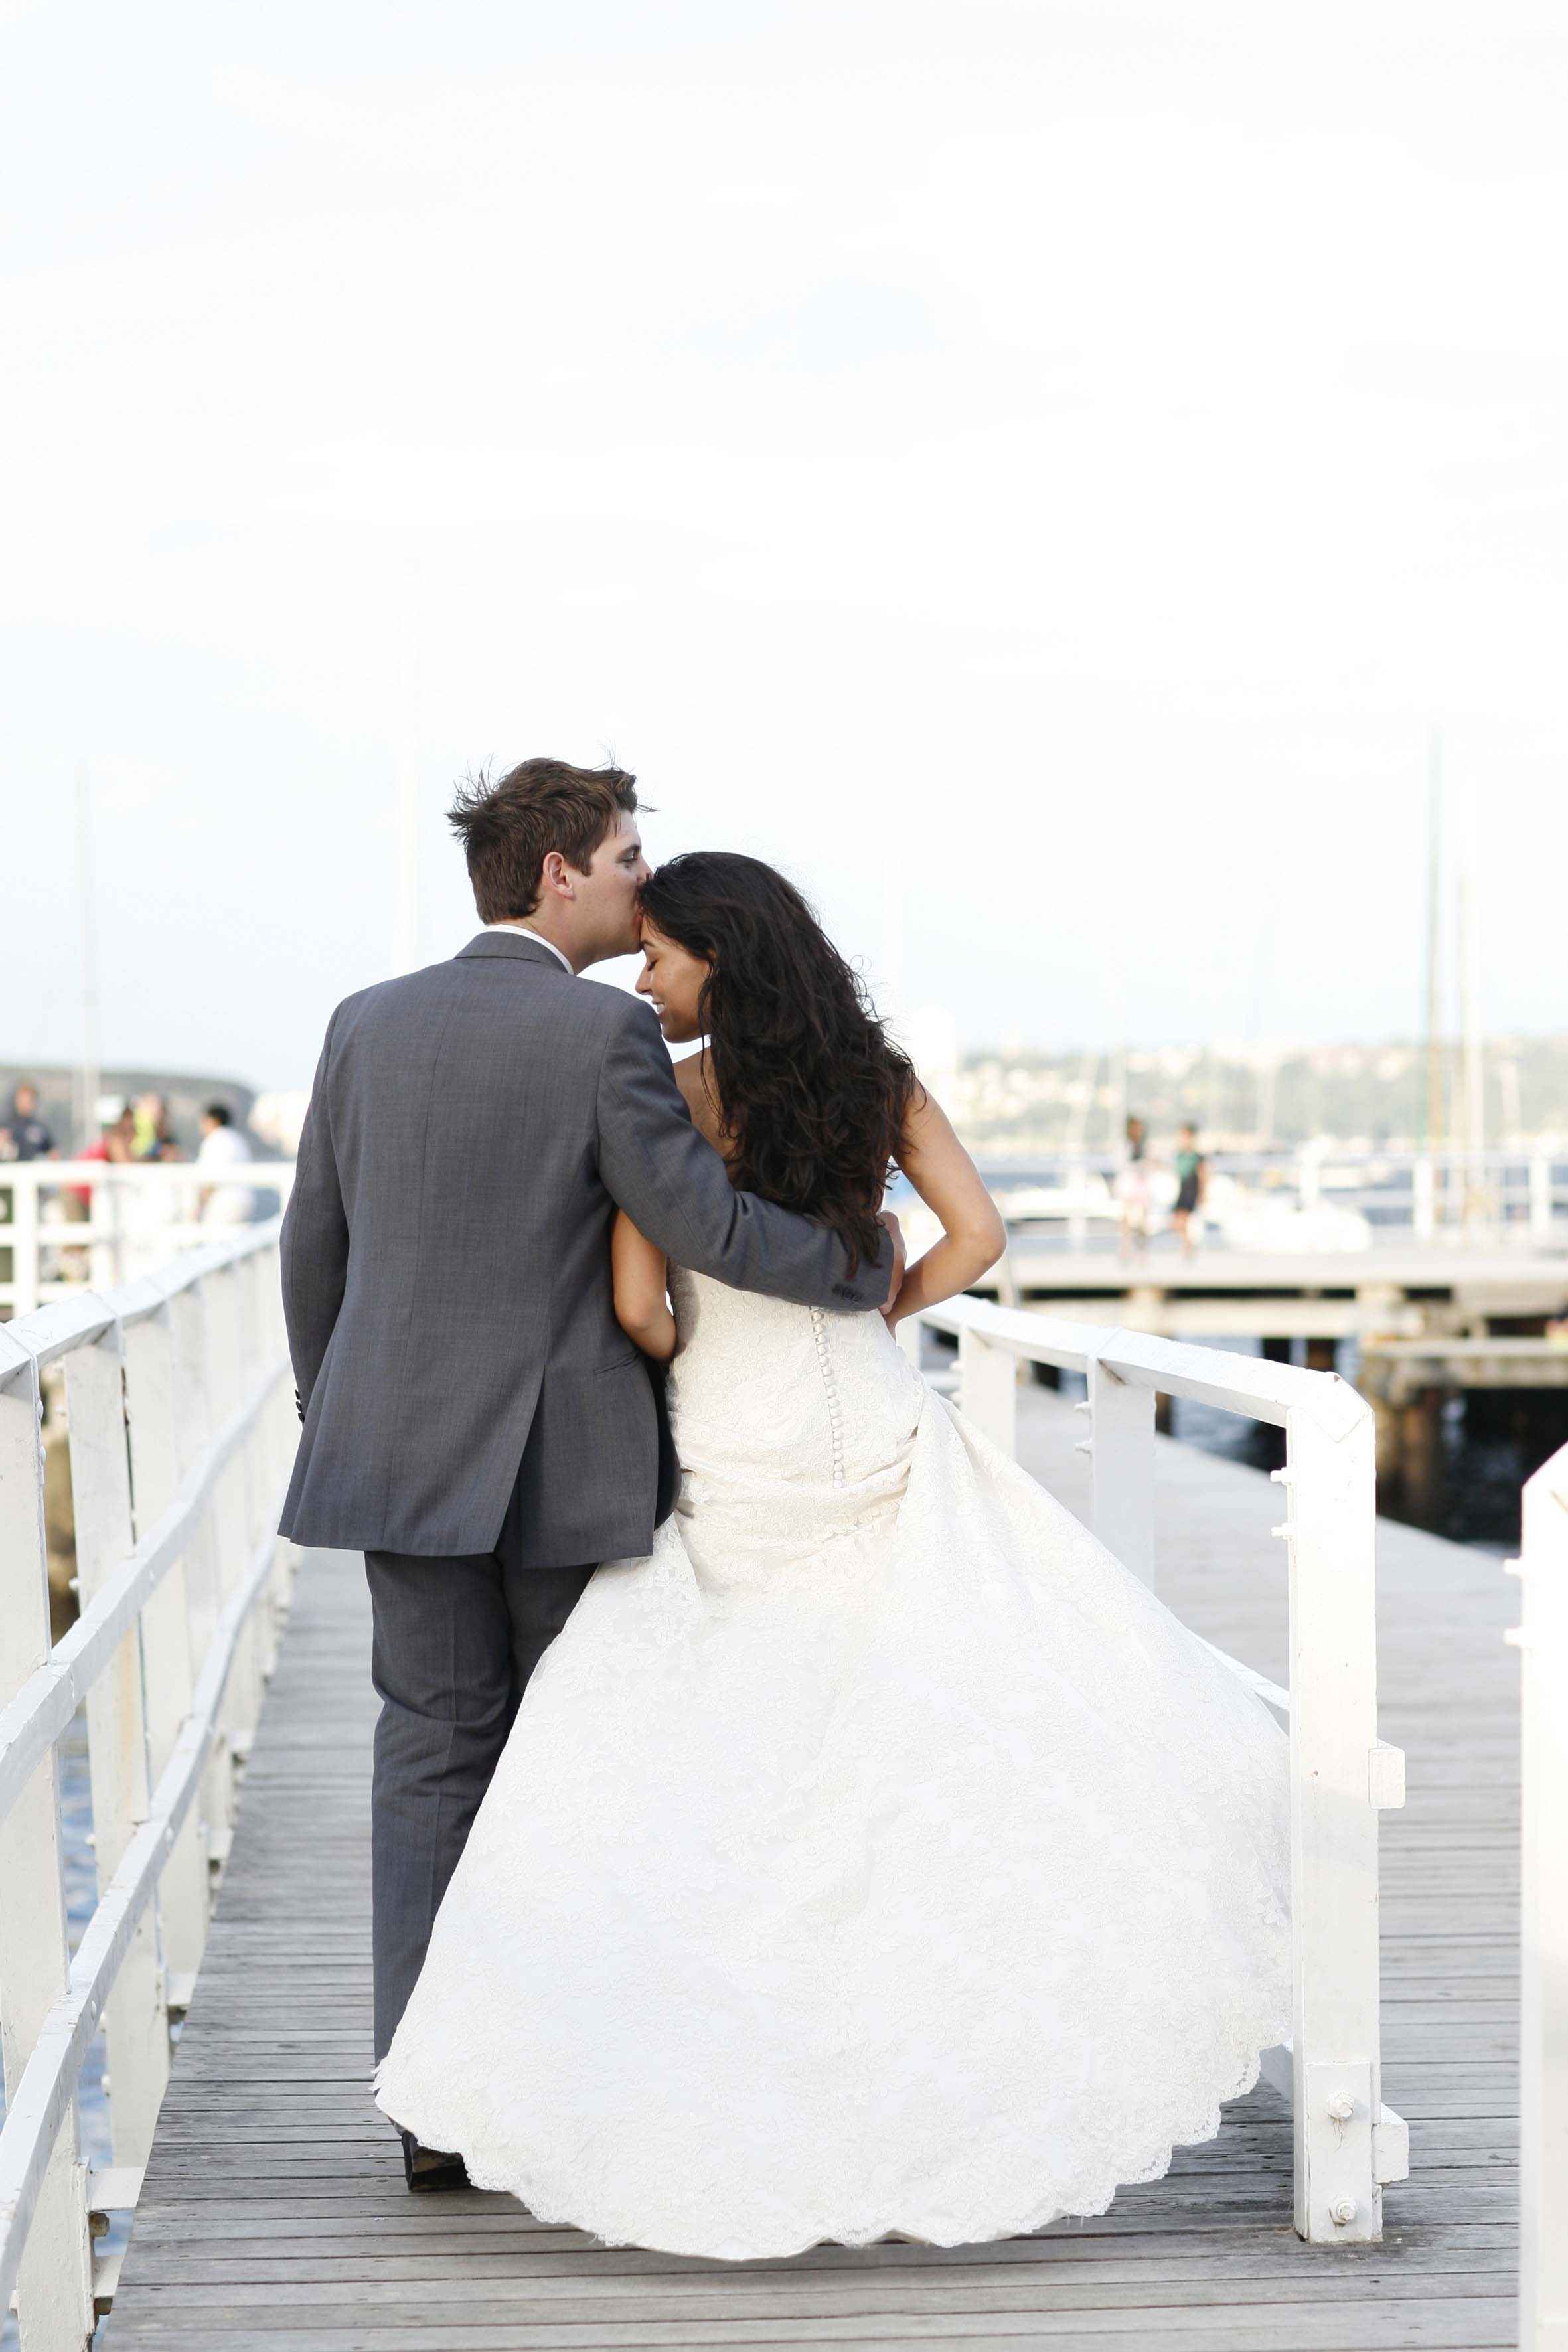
(878, 1856)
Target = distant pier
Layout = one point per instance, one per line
(1430, 1323)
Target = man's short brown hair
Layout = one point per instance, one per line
(509, 828)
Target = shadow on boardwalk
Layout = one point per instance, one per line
(274, 2213)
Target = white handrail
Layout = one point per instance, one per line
(138, 1212)
(49, 2082)
(179, 1557)
(42, 1709)
(1542, 1638)
(1348, 2144)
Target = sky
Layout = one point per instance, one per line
(1040, 474)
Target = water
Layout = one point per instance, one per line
(1484, 1461)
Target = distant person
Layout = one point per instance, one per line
(155, 1135)
(114, 1143)
(24, 1135)
(1132, 1189)
(1192, 1184)
(223, 1146)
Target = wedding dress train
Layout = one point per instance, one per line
(878, 1856)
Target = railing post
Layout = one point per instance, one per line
(1336, 2069)
(1542, 1639)
(1078, 1212)
(263, 1337)
(22, 1237)
(170, 1670)
(1424, 1200)
(284, 1424)
(1540, 1199)
(195, 1420)
(54, 2289)
(1121, 1449)
(136, 2020)
(988, 1389)
(233, 1514)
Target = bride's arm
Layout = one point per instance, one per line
(642, 1310)
(973, 1235)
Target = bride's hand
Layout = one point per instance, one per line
(901, 1258)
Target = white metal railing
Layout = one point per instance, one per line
(1351, 1198)
(1542, 1637)
(135, 1216)
(1347, 2143)
(181, 1430)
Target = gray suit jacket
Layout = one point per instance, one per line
(446, 1261)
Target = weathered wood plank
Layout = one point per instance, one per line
(1452, 2326)
(1249, 2253)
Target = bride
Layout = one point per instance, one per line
(878, 1856)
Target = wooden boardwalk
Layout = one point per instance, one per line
(274, 2213)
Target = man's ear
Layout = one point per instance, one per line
(556, 875)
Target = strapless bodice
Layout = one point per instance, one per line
(795, 1423)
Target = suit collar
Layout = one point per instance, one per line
(516, 947)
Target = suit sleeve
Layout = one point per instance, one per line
(672, 1185)
(314, 1244)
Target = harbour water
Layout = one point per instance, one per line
(1482, 1469)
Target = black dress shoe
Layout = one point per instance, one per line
(430, 2167)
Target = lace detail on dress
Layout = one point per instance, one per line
(878, 1856)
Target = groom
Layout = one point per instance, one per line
(474, 1421)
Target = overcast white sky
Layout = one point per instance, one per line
(1044, 465)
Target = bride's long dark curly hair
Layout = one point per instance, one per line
(813, 1093)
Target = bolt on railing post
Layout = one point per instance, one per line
(136, 2020)
(1331, 1533)
(1122, 1450)
(54, 2287)
(1542, 1639)
(988, 1389)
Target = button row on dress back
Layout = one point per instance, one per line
(834, 1413)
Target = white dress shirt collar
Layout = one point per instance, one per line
(529, 932)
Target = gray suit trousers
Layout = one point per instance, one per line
(453, 1646)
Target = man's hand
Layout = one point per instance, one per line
(901, 1258)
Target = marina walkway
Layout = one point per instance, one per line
(273, 2217)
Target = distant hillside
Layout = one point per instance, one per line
(1245, 1097)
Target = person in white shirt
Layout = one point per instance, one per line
(223, 1146)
